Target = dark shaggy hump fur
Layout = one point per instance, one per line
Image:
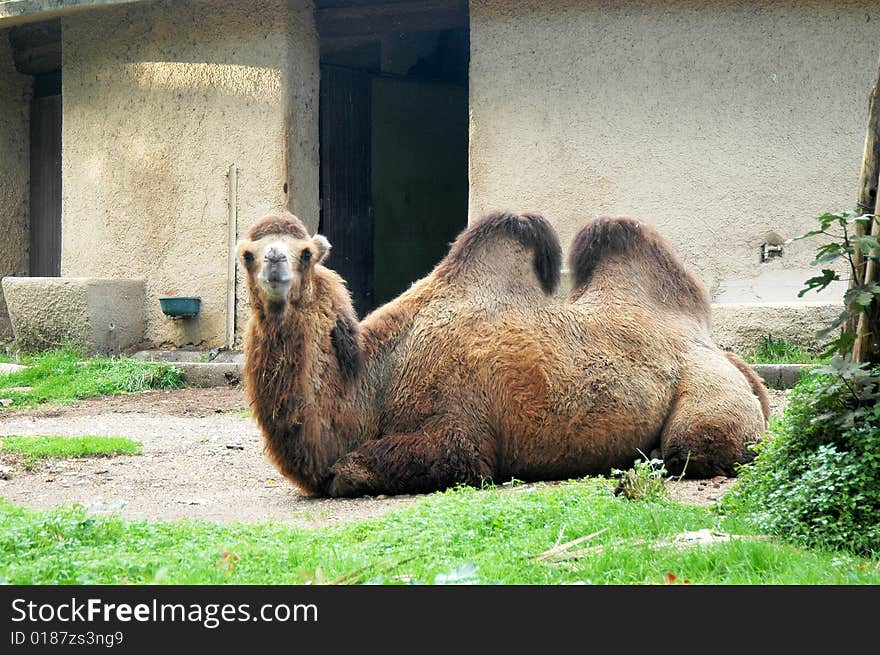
(284, 223)
(610, 237)
(531, 230)
(344, 336)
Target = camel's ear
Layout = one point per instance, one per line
(322, 247)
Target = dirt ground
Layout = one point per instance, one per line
(202, 458)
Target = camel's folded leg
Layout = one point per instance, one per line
(413, 463)
(712, 422)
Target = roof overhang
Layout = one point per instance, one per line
(336, 18)
(18, 12)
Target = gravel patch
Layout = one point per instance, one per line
(202, 459)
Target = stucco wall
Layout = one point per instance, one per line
(15, 92)
(303, 77)
(96, 316)
(160, 99)
(718, 122)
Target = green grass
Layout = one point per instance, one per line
(464, 535)
(51, 447)
(62, 376)
(779, 351)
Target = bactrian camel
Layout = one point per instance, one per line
(477, 373)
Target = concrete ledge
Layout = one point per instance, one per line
(781, 376)
(741, 326)
(210, 374)
(98, 316)
(196, 356)
(224, 370)
(217, 373)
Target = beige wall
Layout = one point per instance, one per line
(717, 122)
(160, 99)
(15, 92)
(303, 78)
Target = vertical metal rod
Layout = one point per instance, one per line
(231, 240)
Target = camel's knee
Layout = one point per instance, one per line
(717, 414)
(681, 460)
(352, 476)
(704, 450)
(413, 463)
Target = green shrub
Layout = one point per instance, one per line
(816, 480)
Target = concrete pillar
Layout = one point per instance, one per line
(15, 90)
(160, 100)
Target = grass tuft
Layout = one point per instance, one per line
(644, 481)
(62, 376)
(51, 447)
(779, 351)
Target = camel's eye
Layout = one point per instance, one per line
(248, 257)
(305, 258)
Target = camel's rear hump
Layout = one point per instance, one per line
(633, 253)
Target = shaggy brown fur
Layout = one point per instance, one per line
(475, 373)
(755, 382)
(283, 223)
(629, 243)
(530, 230)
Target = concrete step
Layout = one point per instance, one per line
(225, 369)
(781, 376)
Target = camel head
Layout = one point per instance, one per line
(280, 258)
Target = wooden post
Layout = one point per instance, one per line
(871, 156)
(868, 184)
(864, 348)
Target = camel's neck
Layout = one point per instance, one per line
(308, 412)
(381, 330)
(312, 413)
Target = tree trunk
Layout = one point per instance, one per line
(868, 185)
(866, 344)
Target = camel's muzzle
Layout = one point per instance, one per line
(275, 275)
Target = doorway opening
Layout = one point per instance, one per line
(394, 140)
(36, 50)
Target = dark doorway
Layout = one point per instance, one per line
(346, 200)
(394, 140)
(36, 50)
(45, 209)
